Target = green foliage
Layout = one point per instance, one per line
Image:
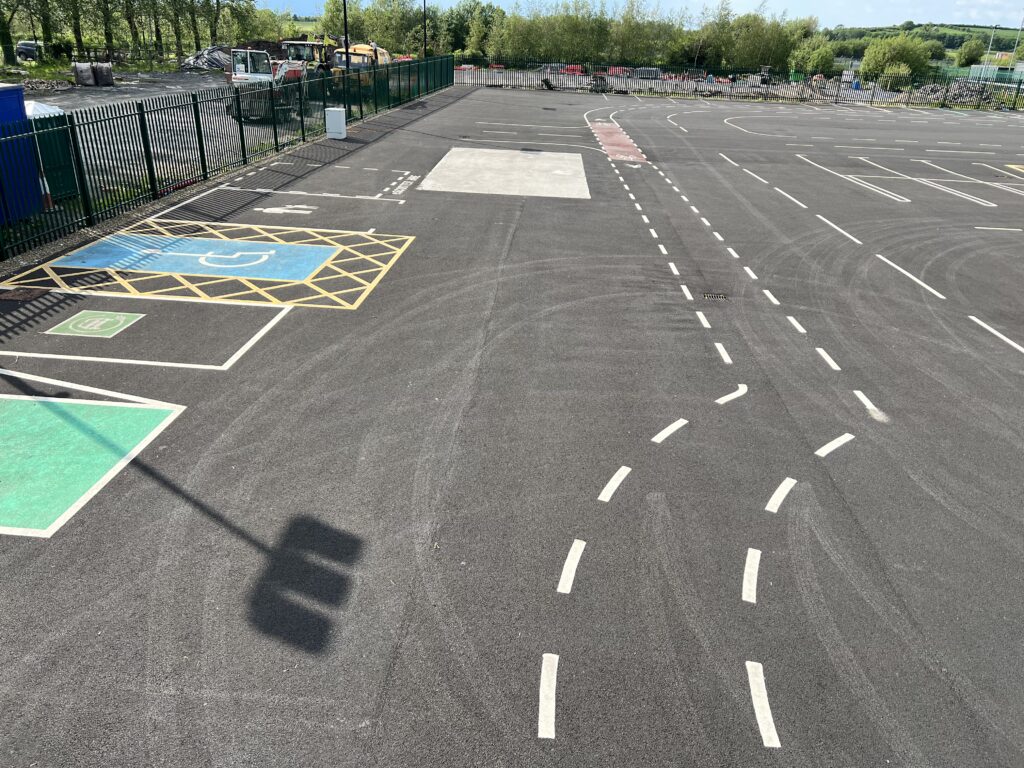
(815, 54)
(896, 75)
(936, 50)
(970, 52)
(902, 49)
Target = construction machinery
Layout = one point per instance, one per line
(251, 67)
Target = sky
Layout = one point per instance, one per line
(866, 13)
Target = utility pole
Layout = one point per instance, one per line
(1013, 56)
(989, 51)
(348, 58)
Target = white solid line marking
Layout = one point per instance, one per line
(91, 390)
(795, 324)
(718, 237)
(780, 495)
(875, 413)
(256, 338)
(703, 320)
(663, 249)
(740, 391)
(831, 445)
(569, 569)
(771, 298)
(694, 209)
(672, 266)
(725, 355)
(840, 230)
(825, 356)
(658, 438)
(686, 293)
(728, 160)
(960, 151)
(997, 334)
(705, 222)
(750, 272)
(750, 575)
(546, 707)
(763, 712)
(732, 253)
(654, 234)
(612, 485)
(787, 195)
(1001, 229)
(755, 176)
(900, 269)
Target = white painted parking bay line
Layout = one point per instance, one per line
(875, 413)
(795, 324)
(750, 272)
(750, 575)
(672, 266)
(839, 229)
(546, 705)
(762, 711)
(831, 445)
(780, 495)
(613, 485)
(828, 359)
(725, 355)
(703, 320)
(901, 270)
(740, 391)
(667, 431)
(771, 297)
(663, 249)
(654, 234)
(718, 237)
(732, 253)
(728, 160)
(569, 568)
(686, 293)
(1001, 229)
(705, 222)
(755, 176)
(997, 334)
(787, 195)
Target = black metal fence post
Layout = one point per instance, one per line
(83, 181)
(147, 150)
(302, 108)
(241, 125)
(273, 114)
(199, 136)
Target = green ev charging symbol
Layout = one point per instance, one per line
(88, 322)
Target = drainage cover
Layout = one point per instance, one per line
(715, 296)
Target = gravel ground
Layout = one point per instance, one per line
(130, 86)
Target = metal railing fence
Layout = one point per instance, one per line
(60, 174)
(937, 89)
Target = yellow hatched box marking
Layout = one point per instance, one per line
(359, 263)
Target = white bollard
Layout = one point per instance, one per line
(334, 117)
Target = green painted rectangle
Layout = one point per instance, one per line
(58, 453)
(96, 323)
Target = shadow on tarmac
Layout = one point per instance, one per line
(301, 566)
(17, 317)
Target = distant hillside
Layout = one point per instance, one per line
(950, 35)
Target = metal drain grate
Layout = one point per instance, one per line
(716, 296)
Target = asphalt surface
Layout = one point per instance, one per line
(347, 549)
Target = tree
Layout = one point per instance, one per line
(477, 37)
(7, 10)
(936, 50)
(815, 54)
(970, 52)
(901, 49)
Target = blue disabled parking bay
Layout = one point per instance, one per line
(198, 256)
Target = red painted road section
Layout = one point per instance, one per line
(616, 143)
